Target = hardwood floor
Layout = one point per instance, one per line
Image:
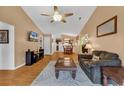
(26, 74)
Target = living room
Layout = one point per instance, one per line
(18, 21)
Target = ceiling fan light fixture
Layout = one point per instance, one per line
(57, 16)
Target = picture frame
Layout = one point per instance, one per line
(107, 28)
(4, 36)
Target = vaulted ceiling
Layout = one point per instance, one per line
(74, 23)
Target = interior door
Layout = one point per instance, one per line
(47, 44)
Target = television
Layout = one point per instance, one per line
(33, 36)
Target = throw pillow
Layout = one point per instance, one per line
(95, 58)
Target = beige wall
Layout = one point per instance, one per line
(112, 43)
(17, 17)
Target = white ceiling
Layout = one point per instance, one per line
(73, 25)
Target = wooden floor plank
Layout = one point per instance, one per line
(25, 75)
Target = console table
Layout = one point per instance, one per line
(33, 57)
(114, 73)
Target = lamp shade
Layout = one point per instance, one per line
(88, 46)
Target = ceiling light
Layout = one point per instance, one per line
(57, 16)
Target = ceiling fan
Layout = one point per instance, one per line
(57, 16)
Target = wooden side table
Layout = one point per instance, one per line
(114, 73)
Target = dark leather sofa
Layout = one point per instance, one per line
(93, 68)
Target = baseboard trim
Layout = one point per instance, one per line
(12, 68)
(19, 66)
(7, 68)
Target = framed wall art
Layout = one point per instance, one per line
(4, 36)
(108, 27)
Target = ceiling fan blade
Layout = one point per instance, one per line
(51, 21)
(68, 14)
(56, 8)
(45, 14)
(63, 20)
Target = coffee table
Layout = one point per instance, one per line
(65, 64)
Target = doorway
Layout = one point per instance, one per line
(58, 41)
(47, 40)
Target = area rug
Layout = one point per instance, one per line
(47, 78)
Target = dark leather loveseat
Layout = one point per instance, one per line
(93, 68)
